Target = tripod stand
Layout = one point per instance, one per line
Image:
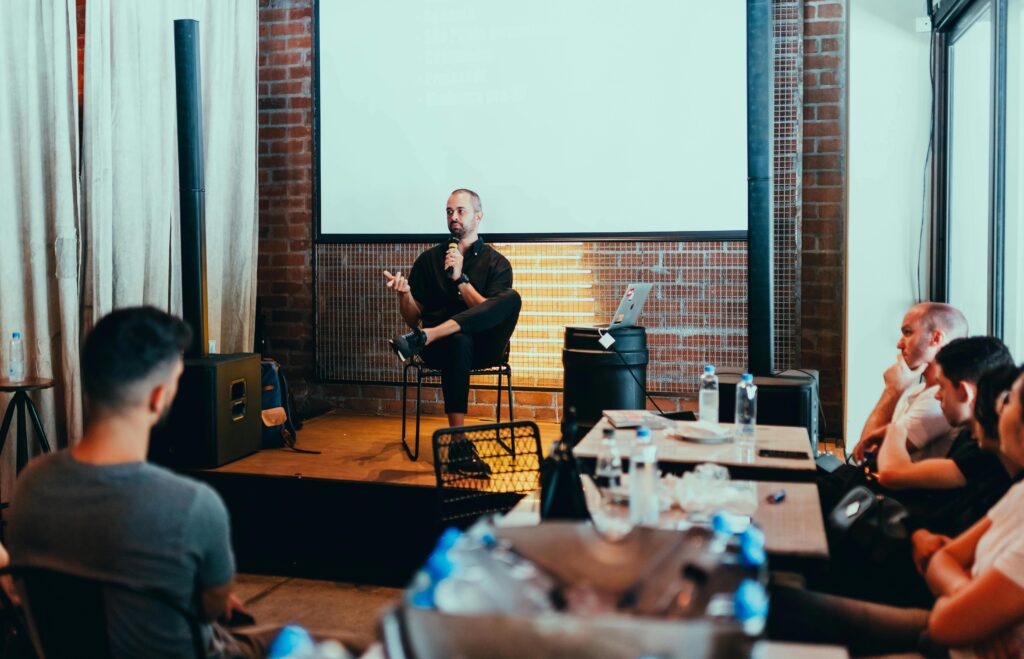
(22, 405)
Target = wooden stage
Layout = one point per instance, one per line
(359, 511)
(359, 448)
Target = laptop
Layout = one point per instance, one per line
(630, 306)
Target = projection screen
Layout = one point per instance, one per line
(571, 118)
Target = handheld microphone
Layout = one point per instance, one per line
(453, 243)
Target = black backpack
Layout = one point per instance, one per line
(280, 423)
(561, 490)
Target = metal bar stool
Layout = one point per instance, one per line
(502, 370)
(23, 406)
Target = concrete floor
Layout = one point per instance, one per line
(320, 606)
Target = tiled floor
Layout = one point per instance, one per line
(320, 606)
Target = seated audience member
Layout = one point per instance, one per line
(985, 432)
(977, 577)
(908, 399)
(945, 496)
(99, 510)
(971, 480)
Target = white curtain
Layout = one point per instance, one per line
(39, 219)
(129, 159)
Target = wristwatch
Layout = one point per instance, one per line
(463, 279)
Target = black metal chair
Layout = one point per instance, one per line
(502, 370)
(65, 615)
(511, 451)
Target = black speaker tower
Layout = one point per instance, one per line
(790, 398)
(190, 182)
(216, 416)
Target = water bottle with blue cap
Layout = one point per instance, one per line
(644, 506)
(750, 606)
(752, 549)
(16, 363)
(707, 409)
(293, 642)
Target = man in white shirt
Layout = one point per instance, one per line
(908, 399)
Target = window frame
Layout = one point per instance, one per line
(949, 21)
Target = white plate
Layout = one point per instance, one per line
(701, 432)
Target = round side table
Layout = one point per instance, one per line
(22, 405)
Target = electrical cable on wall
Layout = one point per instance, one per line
(924, 175)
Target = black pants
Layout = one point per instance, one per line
(486, 329)
(865, 628)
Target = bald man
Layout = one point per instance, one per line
(911, 383)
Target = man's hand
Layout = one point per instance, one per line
(900, 377)
(235, 613)
(867, 444)
(397, 282)
(925, 545)
(453, 259)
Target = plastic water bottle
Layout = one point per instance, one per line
(708, 401)
(16, 366)
(293, 642)
(608, 475)
(746, 413)
(331, 649)
(644, 507)
(474, 573)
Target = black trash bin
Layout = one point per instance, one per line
(597, 379)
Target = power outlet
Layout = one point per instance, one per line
(923, 24)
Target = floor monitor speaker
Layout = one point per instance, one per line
(215, 417)
(789, 398)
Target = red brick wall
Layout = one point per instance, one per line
(285, 275)
(824, 200)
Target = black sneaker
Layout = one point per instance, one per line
(464, 459)
(409, 345)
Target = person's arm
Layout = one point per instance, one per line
(897, 378)
(408, 307)
(925, 545)
(215, 601)
(977, 612)
(894, 451)
(934, 474)
(948, 571)
(208, 534)
(897, 472)
(470, 295)
(878, 421)
(500, 278)
(5, 581)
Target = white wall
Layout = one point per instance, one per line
(890, 100)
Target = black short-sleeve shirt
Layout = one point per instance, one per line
(978, 467)
(489, 272)
(955, 511)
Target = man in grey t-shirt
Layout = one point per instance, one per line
(99, 510)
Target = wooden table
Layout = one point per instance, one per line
(793, 528)
(677, 455)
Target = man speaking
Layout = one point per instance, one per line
(461, 292)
